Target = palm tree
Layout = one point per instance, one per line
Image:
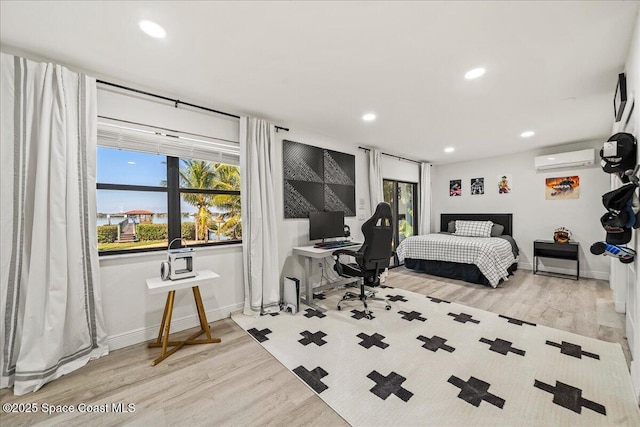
(227, 177)
(199, 174)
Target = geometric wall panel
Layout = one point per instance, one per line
(316, 179)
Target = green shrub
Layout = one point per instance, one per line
(107, 233)
(188, 231)
(152, 231)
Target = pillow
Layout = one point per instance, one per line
(497, 230)
(451, 227)
(473, 228)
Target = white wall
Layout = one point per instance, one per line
(400, 170)
(533, 216)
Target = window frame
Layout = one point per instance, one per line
(395, 213)
(174, 217)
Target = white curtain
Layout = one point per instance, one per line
(375, 178)
(259, 226)
(424, 222)
(51, 315)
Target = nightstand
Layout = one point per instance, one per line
(551, 249)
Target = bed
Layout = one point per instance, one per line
(482, 260)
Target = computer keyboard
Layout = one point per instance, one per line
(335, 244)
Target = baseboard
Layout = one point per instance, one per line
(600, 275)
(140, 335)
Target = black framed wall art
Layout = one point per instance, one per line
(620, 97)
(317, 179)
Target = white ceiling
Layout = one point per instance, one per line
(551, 66)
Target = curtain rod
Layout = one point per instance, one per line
(392, 155)
(176, 102)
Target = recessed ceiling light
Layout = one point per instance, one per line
(369, 117)
(474, 74)
(152, 29)
(132, 163)
(527, 134)
(449, 150)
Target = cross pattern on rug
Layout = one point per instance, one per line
(570, 397)
(414, 315)
(312, 378)
(438, 300)
(572, 350)
(431, 362)
(474, 391)
(261, 336)
(463, 318)
(502, 346)
(391, 384)
(312, 312)
(361, 314)
(515, 321)
(312, 337)
(372, 340)
(396, 298)
(435, 343)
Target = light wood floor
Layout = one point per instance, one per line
(237, 383)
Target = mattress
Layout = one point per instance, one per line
(493, 256)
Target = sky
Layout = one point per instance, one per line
(133, 168)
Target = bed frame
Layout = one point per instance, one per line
(454, 270)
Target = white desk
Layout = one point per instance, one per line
(310, 253)
(157, 285)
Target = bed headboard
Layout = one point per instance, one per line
(503, 219)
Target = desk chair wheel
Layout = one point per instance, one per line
(388, 307)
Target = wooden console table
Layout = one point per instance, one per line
(156, 285)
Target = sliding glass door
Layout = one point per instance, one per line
(403, 198)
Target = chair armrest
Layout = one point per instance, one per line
(344, 252)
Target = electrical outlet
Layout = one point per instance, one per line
(320, 264)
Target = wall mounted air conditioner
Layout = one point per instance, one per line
(565, 160)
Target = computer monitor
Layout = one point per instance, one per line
(324, 225)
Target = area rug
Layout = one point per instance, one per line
(436, 363)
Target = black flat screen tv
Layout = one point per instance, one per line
(324, 225)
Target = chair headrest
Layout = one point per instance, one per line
(383, 210)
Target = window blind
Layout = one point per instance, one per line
(153, 140)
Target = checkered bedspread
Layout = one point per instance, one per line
(492, 255)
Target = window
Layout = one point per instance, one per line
(146, 200)
(402, 196)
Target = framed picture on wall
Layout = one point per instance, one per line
(505, 184)
(620, 97)
(477, 186)
(455, 187)
(562, 188)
